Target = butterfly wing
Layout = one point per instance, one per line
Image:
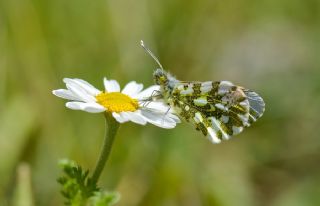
(218, 109)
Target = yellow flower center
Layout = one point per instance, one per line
(117, 102)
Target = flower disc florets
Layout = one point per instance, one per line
(117, 102)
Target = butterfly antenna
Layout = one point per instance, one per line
(150, 53)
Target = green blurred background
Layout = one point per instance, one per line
(270, 46)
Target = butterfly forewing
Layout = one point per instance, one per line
(218, 109)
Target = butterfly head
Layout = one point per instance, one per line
(160, 77)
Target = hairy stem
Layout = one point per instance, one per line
(111, 130)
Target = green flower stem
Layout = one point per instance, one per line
(111, 130)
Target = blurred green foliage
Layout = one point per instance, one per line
(270, 46)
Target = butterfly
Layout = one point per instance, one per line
(219, 109)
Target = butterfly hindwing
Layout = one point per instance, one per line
(256, 104)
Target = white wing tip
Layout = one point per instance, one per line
(212, 136)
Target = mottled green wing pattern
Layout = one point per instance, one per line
(218, 109)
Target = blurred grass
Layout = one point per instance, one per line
(269, 46)
(23, 190)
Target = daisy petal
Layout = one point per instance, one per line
(147, 92)
(79, 92)
(93, 108)
(132, 88)
(135, 117)
(174, 118)
(65, 94)
(157, 106)
(111, 85)
(84, 85)
(158, 119)
(119, 118)
(88, 107)
(74, 105)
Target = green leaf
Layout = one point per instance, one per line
(76, 186)
(80, 190)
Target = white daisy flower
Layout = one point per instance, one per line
(127, 105)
